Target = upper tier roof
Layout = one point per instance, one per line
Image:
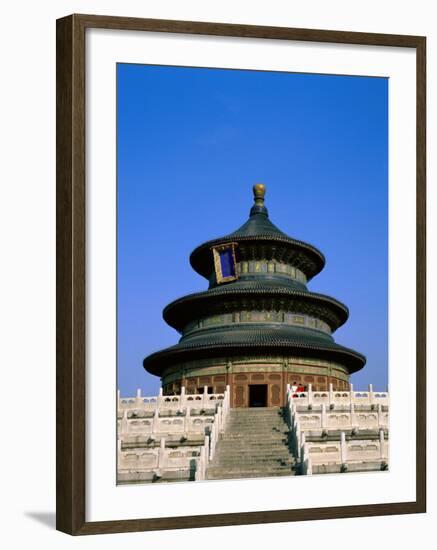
(258, 228)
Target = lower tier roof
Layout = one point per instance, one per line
(257, 341)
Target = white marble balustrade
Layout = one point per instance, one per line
(312, 414)
(203, 400)
(352, 419)
(344, 452)
(338, 398)
(161, 426)
(162, 458)
(135, 423)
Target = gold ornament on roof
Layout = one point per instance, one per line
(259, 191)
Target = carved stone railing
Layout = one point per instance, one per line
(203, 400)
(337, 413)
(344, 453)
(183, 424)
(162, 418)
(338, 398)
(162, 459)
(343, 419)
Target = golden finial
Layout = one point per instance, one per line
(259, 191)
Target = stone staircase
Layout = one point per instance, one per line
(254, 444)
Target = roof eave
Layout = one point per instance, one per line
(158, 362)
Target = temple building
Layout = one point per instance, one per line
(256, 386)
(257, 328)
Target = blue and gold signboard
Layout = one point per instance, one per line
(225, 263)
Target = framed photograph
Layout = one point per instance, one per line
(240, 274)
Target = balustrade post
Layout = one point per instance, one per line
(118, 400)
(182, 399)
(351, 393)
(381, 444)
(199, 466)
(323, 416)
(187, 420)
(379, 415)
(289, 414)
(159, 398)
(217, 419)
(124, 426)
(215, 431)
(331, 393)
(293, 414)
(161, 454)
(297, 437)
(354, 423)
(203, 459)
(138, 400)
(212, 442)
(206, 445)
(302, 443)
(155, 421)
(309, 467)
(310, 394)
(371, 395)
(343, 448)
(205, 396)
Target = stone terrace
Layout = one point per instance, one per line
(196, 437)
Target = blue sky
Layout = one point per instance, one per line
(193, 141)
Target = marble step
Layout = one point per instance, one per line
(250, 434)
(254, 437)
(224, 473)
(279, 452)
(256, 426)
(273, 446)
(262, 462)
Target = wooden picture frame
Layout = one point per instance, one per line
(71, 283)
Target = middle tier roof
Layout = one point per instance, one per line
(244, 295)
